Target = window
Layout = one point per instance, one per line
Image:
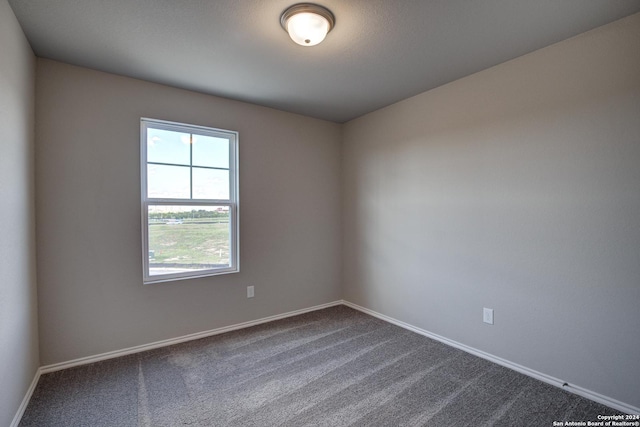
(189, 178)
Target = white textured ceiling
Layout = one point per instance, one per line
(380, 51)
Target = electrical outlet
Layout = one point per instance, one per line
(487, 315)
(250, 292)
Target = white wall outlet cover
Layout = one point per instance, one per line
(250, 292)
(487, 315)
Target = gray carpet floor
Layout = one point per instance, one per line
(332, 367)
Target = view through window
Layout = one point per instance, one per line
(189, 200)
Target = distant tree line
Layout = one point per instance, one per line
(201, 213)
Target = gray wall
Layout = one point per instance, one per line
(91, 295)
(18, 309)
(517, 189)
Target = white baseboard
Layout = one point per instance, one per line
(621, 406)
(164, 343)
(26, 399)
(597, 397)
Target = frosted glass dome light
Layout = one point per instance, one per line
(306, 23)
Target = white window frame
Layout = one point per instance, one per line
(232, 202)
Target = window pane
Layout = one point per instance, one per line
(188, 238)
(165, 146)
(168, 182)
(210, 184)
(210, 151)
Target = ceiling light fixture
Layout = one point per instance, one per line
(307, 23)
